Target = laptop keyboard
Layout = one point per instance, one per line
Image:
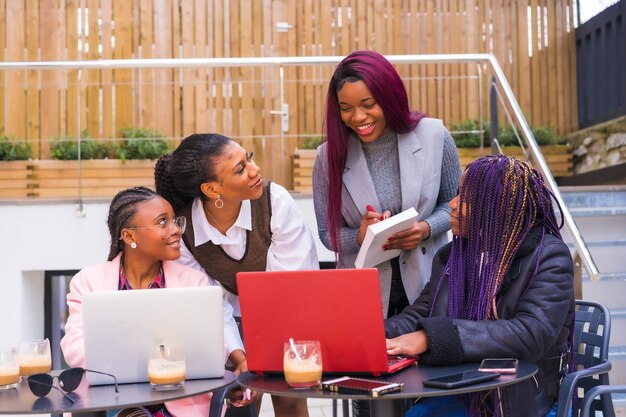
(394, 359)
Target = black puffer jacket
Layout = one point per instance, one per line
(533, 325)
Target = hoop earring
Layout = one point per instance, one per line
(133, 245)
(218, 202)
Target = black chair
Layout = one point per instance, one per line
(590, 397)
(592, 332)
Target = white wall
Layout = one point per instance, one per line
(42, 236)
(53, 235)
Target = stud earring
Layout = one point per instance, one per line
(218, 202)
(133, 245)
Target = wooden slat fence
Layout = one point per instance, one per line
(532, 39)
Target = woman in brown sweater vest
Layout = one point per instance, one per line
(235, 223)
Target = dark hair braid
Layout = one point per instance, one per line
(165, 183)
(179, 175)
(122, 208)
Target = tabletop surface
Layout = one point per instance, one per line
(97, 398)
(411, 377)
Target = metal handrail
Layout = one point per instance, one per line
(234, 62)
(579, 243)
(488, 59)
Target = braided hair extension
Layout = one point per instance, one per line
(503, 199)
(122, 208)
(497, 223)
(179, 175)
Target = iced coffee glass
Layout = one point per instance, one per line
(34, 357)
(9, 368)
(166, 368)
(302, 363)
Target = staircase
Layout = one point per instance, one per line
(600, 213)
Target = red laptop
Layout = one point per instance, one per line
(339, 307)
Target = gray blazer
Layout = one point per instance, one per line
(420, 154)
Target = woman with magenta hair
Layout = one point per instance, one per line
(503, 288)
(379, 159)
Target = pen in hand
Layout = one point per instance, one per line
(383, 216)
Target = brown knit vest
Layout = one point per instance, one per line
(217, 263)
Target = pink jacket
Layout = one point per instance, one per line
(105, 277)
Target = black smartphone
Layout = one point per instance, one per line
(501, 365)
(460, 380)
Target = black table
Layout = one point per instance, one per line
(99, 398)
(388, 404)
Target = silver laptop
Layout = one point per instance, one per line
(121, 327)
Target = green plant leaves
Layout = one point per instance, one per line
(140, 143)
(14, 150)
(466, 134)
(136, 143)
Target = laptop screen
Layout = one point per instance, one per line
(341, 308)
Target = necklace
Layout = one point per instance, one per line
(217, 225)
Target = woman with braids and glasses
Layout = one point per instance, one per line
(236, 223)
(379, 159)
(145, 242)
(502, 288)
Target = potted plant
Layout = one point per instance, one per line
(105, 166)
(303, 161)
(557, 154)
(15, 175)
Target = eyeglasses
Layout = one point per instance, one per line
(69, 380)
(167, 226)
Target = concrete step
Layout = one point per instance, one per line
(617, 356)
(600, 214)
(619, 402)
(618, 327)
(595, 212)
(595, 196)
(599, 229)
(609, 290)
(610, 257)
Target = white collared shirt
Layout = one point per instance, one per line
(288, 232)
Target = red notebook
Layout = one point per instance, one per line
(341, 308)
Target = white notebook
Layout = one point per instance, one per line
(371, 252)
(121, 326)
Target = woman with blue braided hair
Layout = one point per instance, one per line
(502, 288)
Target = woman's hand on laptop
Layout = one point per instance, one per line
(238, 359)
(410, 344)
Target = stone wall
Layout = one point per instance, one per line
(599, 146)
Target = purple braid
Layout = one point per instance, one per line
(497, 223)
(504, 198)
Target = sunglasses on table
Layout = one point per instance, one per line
(41, 384)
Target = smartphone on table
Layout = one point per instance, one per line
(460, 379)
(500, 365)
(351, 385)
